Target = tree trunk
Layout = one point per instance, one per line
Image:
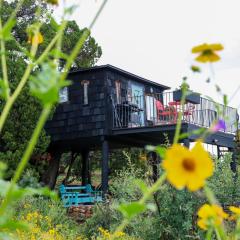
(50, 177)
(73, 157)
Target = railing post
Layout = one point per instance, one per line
(186, 142)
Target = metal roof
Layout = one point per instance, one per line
(116, 69)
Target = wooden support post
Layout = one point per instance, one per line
(186, 142)
(85, 156)
(218, 152)
(233, 164)
(50, 177)
(89, 180)
(105, 159)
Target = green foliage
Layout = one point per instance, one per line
(26, 110)
(175, 217)
(52, 211)
(46, 84)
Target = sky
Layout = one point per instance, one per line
(153, 39)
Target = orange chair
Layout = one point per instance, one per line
(168, 113)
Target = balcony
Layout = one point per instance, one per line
(163, 109)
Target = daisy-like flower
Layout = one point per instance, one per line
(210, 215)
(35, 39)
(207, 52)
(220, 125)
(188, 168)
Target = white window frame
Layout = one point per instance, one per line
(63, 95)
(85, 84)
(118, 91)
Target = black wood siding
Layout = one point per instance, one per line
(73, 119)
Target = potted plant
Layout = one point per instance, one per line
(191, 96)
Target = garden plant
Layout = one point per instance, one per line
(183, 169)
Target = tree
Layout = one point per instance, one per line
(23, 117)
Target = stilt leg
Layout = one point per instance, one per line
(51, 174)
(105, 159)
(85, 156)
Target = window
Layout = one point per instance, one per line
(118, 91)
(63, 95)
(85, 91)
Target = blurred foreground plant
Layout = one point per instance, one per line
(45, 86)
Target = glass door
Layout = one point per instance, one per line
(138, 100)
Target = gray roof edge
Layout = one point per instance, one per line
(109, 66)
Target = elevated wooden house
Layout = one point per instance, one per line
(107, 107)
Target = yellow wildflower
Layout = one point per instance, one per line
(207, 52)
(105, 233)
(36, 39)
(186, 167)
(210, 215)
(119, 234)
(235, 210)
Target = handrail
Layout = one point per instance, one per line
(162, 109)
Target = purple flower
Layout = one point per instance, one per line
(220, 125)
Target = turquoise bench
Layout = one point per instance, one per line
(74, 195)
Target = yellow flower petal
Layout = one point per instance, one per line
(235, 210)
(201, 223)
(187, 168)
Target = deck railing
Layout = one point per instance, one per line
(163, 109)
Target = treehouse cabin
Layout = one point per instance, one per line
(107, 107)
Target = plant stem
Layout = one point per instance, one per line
(210, 195)
(4, 63)
(220, 231)
(143, 200)
(27, 154)
(98, 14)
(209, 234)
(179, 119)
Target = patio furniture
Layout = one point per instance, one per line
(167, 114)
(75, 195)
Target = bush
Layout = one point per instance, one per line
(175, 217)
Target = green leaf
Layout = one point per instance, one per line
(13, 225)
(7, 29)
(130, 210)
(46, 84)
(142, 185)
(161, 151)
(54, 24)
(150, 148)
(59, 54)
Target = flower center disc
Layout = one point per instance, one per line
(188, 164)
